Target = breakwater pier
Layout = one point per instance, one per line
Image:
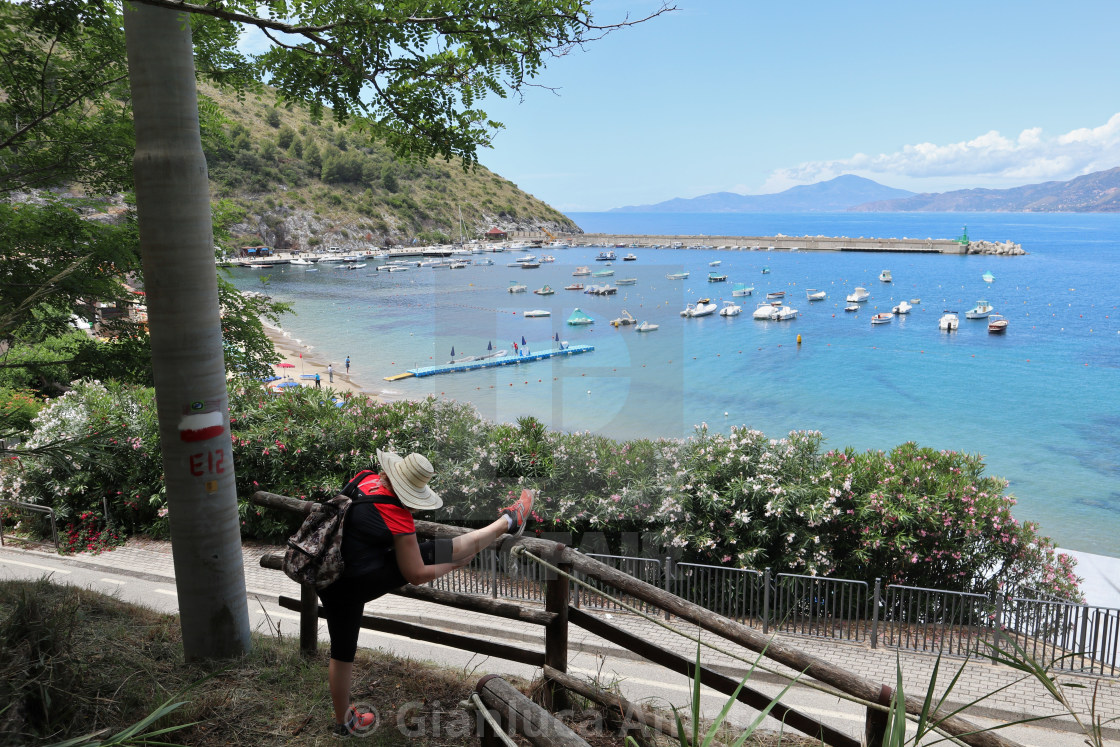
(962, 245)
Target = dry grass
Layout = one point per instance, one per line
(75, 662)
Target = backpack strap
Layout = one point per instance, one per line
(351, 488)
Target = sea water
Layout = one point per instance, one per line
(1039, 402)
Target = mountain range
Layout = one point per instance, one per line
(1098, 192)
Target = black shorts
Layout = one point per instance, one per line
(345, 599)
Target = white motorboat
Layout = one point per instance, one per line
(885, 276)
(775, 295)
(785, 313)
(949, 321)
(626, 281)
(915, 301)
(766, 312)
(537, 312)
(548, 258)
(630, 257)
(581, 271)
(714, 263)
(997, 324)
(516, 287)
(458, 265)
(980, 311)
(852, 307)
(607, 256)
(882, 318)
(677, 276)
(603, 273)
(730, 308)
(902, 308)
(526, 258)
(741, 290)
(815, 295)
(485, 262)
(703, 307)
(301, 261)
(645, 327)
(358, 266)
(858, 295)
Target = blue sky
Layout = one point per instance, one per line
(755, 97)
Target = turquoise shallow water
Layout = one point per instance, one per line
(1039, 403)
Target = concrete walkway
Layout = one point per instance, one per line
(1018, 699)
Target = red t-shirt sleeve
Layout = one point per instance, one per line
(397, 518)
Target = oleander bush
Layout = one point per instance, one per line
(913, 515)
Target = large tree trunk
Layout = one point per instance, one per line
(176, 239)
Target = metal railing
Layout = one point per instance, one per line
(32, 508)
(644, 569)
(734, 593)
(818, 606)
(1071, 637)
(945, 622)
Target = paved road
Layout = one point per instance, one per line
(141, 574)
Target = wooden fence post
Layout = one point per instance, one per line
(308, 619)
(557, 592)
(875, 725)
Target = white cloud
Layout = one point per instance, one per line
(990, 157)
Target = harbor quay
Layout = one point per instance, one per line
(789, 243)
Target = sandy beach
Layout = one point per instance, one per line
(291, 351)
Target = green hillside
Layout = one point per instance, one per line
(300, 184)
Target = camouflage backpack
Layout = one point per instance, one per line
(314, 554)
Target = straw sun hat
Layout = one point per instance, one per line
(410, 477)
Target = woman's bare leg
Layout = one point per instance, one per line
(467, 545)
(338, 677)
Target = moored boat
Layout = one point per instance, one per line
(815, 295)
(988, 277)
(703, 307)
(852, 307)
(581, 271)
(645, 327)
(997, 324)
(902, 308)
(574, 287)
(742, 290)
(677, 276)
(949, 321)
(785, 313)
(980, 311)
(607, 256)
(537, 312)
(765, 312)
(630, 257)
(545, 291)
(516, 287)
(882, 318)
(715, 277)
(730, 308)
(885, 276)
(775, 295)
(858, 295)
(602, 273)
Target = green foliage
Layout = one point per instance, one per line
(931, 518)
(18, 407)
(64, 112)
(272, 117)
(740, 499)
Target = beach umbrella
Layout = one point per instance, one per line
(522, 340)
(285, 365)
(489, 345)
(288, 383)
(271, 378)
(557, 337)
(452, 351)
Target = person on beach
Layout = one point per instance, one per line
(381, 553)
(318, 381)
(347, 364)
(330, 373)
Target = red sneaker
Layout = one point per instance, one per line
(519, 511)
(356, 723)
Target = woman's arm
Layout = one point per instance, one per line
(407, 550)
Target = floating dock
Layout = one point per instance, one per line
(506, 360)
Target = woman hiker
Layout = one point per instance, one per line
(380, 553)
